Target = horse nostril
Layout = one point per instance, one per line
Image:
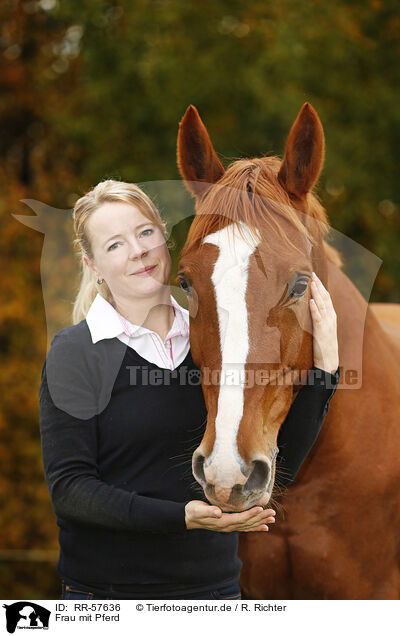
(198, 468)
(259, 476)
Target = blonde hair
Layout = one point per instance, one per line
(106, 191)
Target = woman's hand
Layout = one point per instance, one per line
(325, 342)
(199, 514)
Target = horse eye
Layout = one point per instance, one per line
(184, 283)
(299, 287)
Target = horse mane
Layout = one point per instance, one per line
(250, 192)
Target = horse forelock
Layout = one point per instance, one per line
(250, 193)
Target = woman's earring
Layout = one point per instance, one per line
(100, 281)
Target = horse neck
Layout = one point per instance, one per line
(362, 428)
(364, 347)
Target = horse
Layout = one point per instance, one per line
(258, 233)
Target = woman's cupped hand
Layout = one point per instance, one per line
(201, 515)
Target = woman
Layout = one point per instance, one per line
(120, 420)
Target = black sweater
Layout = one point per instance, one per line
(117, 459)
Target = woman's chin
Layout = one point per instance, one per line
(149, 288)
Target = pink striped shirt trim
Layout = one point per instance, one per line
(161, 351)
(125, 325)
(181, 329)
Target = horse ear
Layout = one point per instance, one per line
(304, 153)
(197, 159)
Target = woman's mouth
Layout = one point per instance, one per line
(145, 271)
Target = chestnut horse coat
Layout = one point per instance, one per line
(337, 528)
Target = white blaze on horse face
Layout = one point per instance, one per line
(230, 278)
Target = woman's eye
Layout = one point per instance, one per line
(299, 287)
(110, 249)
(147, 232)
(185, 285)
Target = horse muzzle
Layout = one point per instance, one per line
(234, 487)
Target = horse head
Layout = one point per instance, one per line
(255, 240)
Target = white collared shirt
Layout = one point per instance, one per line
(105, 322)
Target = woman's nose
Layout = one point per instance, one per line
(137, 251)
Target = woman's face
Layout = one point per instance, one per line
(129, 251)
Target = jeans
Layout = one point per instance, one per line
(72, 591)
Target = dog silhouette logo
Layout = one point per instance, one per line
(26, 615)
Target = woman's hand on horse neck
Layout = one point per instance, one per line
(201, 515)
(325, 342)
